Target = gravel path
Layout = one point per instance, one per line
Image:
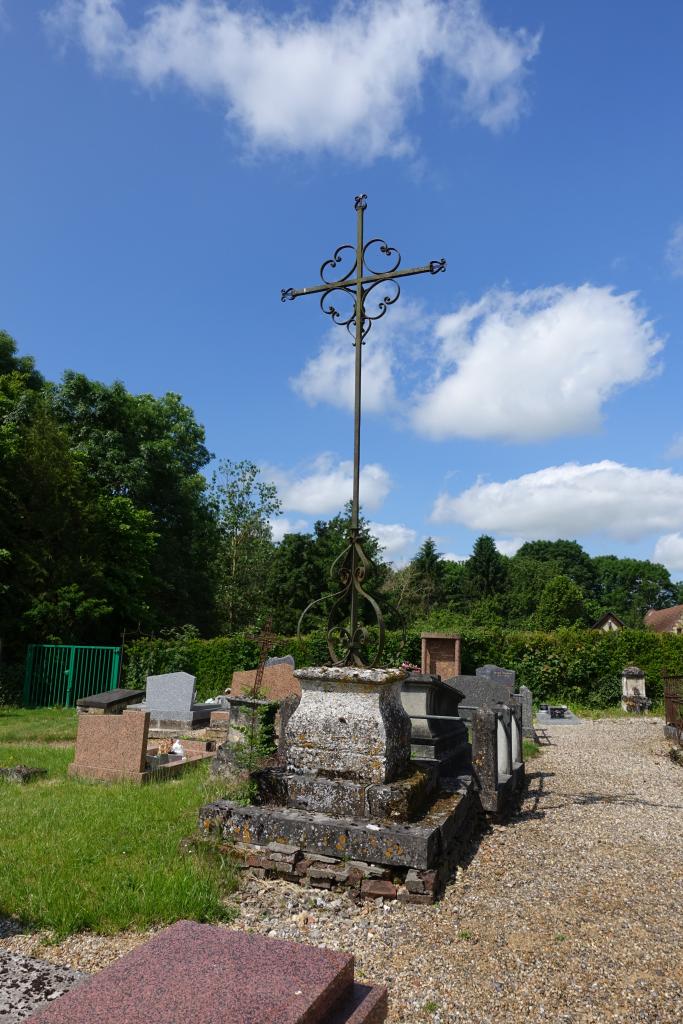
(570, 913)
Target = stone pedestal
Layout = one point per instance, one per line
(633, 696)
(349, 725)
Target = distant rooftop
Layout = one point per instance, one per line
(664, 620)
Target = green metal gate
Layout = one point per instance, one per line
(60, 674)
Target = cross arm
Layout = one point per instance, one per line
(434, 267)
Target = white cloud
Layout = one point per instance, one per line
(669, 551)
(450, 556)
(509, 545)
(282, 525)
(326, 484)
(329, 376)
(675, 450)
(397, 540)
(294, 82)
(674, 251)
(570, 501)
(535, 365)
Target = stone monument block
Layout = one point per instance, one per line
(441, 654)
(527, 699)
(111, 747)
(438, 733)
(350, 724)
(633, 695)
(109, 702)
(172, 692)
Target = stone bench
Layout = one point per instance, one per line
(201, 974)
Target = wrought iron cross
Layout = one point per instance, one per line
(264, 641)
(353, 290)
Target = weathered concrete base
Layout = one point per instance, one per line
(443, 840)
(402, 799)
(305, 840)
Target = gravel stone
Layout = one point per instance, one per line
(570, 913)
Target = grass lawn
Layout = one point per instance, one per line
(45, 725)
(530, 750)
(78, 855)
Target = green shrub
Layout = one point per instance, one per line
(572, 665)
(11, 684)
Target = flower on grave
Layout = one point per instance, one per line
(408, 666)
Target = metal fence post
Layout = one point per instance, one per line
(70, 677)
(115, 668)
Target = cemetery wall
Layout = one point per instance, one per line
(568, 665)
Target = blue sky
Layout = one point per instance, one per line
(166, 169)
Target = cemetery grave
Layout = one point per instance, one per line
(171, 705)
(377, 787)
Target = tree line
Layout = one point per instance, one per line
(109, 524)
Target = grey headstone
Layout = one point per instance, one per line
(500, 675)
(286, 660)
(527, 699)
(170, 693)
(479, 691)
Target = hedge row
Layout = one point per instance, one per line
(569, 665)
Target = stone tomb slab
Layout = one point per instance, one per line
(27, 984)
(402, 799)
(419, 844)
(507, 676)
(110, 702)
(225, 976)
(114, 748)
(544, 719)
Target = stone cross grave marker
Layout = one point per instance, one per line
(265, 639)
